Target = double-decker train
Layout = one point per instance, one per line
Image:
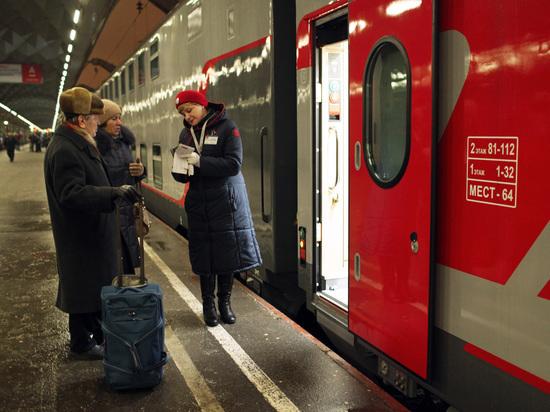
(395, 159)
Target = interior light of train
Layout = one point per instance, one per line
(302, 232)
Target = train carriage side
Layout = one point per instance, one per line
(422, 240)
(227, 50)
(492, 335)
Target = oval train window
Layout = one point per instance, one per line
(386, 130)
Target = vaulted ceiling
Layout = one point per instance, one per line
(37, 32)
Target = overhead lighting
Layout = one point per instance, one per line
(72, 36)
(14, 113)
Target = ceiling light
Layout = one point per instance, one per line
(73, 34)
(68, 58)
(76, 16)
(70, 48)
(14, 113)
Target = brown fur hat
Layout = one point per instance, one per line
(78, 100)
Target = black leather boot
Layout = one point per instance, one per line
(208, 284)
(225, 285)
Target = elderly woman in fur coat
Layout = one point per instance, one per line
(114, 141)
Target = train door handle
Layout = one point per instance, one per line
(414, 242)
(266, 217)
(333, 132)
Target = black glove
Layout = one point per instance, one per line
(127, 193)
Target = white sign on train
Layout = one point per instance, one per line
(491, 171)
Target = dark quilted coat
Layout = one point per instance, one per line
(118, 156)
(222, 239)
(83, 220)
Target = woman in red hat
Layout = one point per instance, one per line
(221, 235)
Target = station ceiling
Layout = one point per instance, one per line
(36, 32)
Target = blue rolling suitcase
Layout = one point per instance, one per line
(133, 327)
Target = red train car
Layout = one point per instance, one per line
(423, 127)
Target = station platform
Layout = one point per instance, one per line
(264, 362)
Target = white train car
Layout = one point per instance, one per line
(227, 50)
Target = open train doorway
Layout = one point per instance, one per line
(332, 123)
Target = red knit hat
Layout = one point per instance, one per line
(190, 96)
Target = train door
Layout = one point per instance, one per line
(391, 195)
(332, 120)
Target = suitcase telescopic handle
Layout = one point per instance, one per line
(119, 240)
(141, 240)
(118, 243)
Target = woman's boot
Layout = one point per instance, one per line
(225, 285)
(208, 284)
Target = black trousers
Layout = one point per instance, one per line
(85, 330)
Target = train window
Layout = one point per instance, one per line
(105, 95)
(131, 77)
(230, 23)
(110, 90)
(157, 166)
(123, 82)
(194, 23)
(154, 56)
(116, 87)
(141, 69)
(143, 157)
(386, 130)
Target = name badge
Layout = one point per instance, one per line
(211, 140)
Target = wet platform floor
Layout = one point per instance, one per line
(264, 362)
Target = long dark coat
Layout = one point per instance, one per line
(118, 156)
(221, 234)
(83, 220)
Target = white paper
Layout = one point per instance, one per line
(180, 164)
(183, 150)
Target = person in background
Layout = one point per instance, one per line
(18, 138)
(114, 141)
(221, 235)
(10, 144)
(82, 200)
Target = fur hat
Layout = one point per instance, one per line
(190, 96)
(78, 100)
(111, 109)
